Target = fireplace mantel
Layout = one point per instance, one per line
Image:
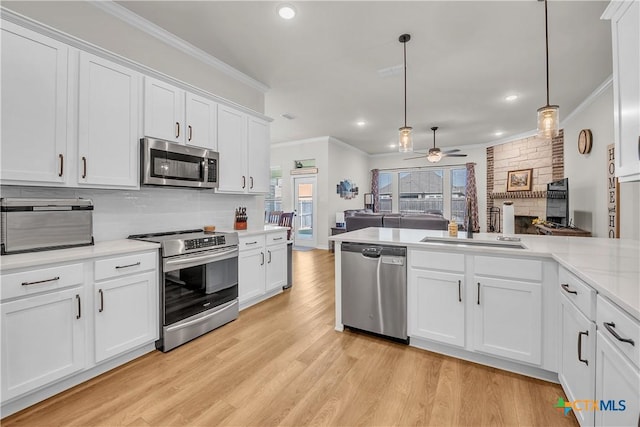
(520, 195)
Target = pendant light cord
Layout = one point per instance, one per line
(546, 37)
(404, 44)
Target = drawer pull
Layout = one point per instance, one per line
(79, 315)
(127, 266)
(101, 309)
(609, 326)
(459, 290)
(251, 243)
(41, 281)
(580, 334)
(565, 286)
(278, 238)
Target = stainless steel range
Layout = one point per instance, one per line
(199, 287)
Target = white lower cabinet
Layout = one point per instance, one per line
(43, 340)
(262, 266)
(126, 314)
(436, 306)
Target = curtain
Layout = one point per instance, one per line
(375, 190)
(472, 199)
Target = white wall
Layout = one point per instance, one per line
(346, 162)
(88, 23)
(119, 213)
(477, 155)
(587, 174)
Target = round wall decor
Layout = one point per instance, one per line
(584, 141)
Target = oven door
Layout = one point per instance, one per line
(198, 282)
(166, 163)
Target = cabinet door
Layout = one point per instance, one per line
(251, 274)
(125, 314)
(42, 340)
(202, 121)
(34, 106)
(108, 130)
(626, 69)
(163, 111)
(508, 318)
(436, 306)
(259, 154)
(232, 146)
(276, 267)
(577, 357)
(617, 379)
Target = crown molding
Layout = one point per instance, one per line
(317, 139)
(346, 146)
(176, 42)
(588, 100)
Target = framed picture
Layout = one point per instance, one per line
(519, 180)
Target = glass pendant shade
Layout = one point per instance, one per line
(435, 157)
(548, 121)
(405, 142)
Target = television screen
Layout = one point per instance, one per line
(558, 202)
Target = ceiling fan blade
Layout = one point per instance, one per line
(453, 150)
(418, 157)
(454, 155)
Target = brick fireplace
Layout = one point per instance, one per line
(545, 157)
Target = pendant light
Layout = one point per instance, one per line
(435, 154)
(549, 115)
(405, 141)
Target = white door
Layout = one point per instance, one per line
(34, 106)
(43, 340)
(232, 146)
(108, 123)
(259, 152)
(305, 197)
(251, 274)
(201, 122)
(276, 267)
(436, 306)
(163, 111)
(125, 314)
(508, 318)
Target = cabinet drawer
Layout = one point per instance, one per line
(516, 268)
(578, 292)
(41, 280)
(123, 265)
(251, 242)
(276, 238)
(626, 327)
(448, 261)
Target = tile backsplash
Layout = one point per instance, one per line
(119, 213)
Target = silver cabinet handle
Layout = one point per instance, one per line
(61, 157)
(101, 309)
(262, 262)
(79, 315)
(41, 281)
(84, 167)
(127, 266)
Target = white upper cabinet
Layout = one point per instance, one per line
(625, 28)
(109, 123)
(34, 107)
(243, 143)
(163, 111)
(201, 122)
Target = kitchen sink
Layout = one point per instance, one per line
(469, 242)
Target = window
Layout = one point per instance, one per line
(385, 192)
(458, 194)
(421, 191)
(273, 200)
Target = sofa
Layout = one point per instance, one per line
(363, 218)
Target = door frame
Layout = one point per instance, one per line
(305, 242)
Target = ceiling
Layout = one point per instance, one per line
(463, 59)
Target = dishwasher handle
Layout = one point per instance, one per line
(372, 252)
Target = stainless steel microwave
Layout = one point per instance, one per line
(169, 164)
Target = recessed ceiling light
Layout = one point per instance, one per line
(498, 133)
(288, 116)
(392, 145)
(361, 123)
(286, 11)
(511, 97)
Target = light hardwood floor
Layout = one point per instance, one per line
(282, 363)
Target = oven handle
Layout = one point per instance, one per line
(216, 311)
(192, 261)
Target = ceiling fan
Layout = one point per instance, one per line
(435, 154)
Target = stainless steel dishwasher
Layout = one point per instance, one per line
(374, 289)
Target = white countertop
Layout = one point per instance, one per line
(100, 249)
(610, 266)
(267, 228)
